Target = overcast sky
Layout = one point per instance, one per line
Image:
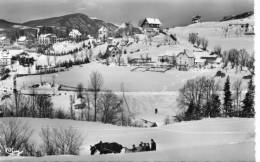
(170, 12)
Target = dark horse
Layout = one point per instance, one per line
(106, 148)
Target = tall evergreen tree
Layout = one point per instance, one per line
(227, 105)
(216, 103)
(248, 102)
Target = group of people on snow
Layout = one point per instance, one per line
(145, 147)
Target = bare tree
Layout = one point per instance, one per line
(87, 98)
(110, 107)
(243, 58)
(44, 106)
(192, 38)
(195, 94)
(217, 50)
(198, 41)
(95, 83)
(204, 43)
(237, 94)
(14, 134)
(61, 141)
(80, 89)
(72, 115)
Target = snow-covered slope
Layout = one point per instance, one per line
(205, 140)
(213, 31)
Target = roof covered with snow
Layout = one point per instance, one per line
(199, 54)
(153, 20)
(22, 38)
(46, 35)
(74, 32)
(103, 28)
(2, 38)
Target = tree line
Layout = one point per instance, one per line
(200, 98)
(197, 41)
(16, 135)
(94, 105)
(104, 106)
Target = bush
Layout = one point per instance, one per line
(15, 135)
(61, 141)
(60, 114)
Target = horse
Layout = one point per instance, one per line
(106, 148)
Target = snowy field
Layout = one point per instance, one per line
(136, 81)
(205, 140)
(214, 33)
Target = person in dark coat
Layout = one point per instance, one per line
(153, 145)
(134, 148)
(148, 147)
(141, 145)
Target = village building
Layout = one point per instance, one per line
(22, 40)
(47, 39)
(203, 58)
(103, 33)
(196, 19)
(5, 58)
(151, 25)
(185, 60)
(112, 51)
(4, 41)
(167, 58)
(111, 41)
(74, 34)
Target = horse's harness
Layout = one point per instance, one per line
(108, 149)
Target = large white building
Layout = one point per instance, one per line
(4, 41)
(103, 33)
(74, 33)
(46, 39)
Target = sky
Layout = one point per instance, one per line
(170, 12)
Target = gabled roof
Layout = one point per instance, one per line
(153, 21)
(189, 54)
(102, 28)
(199, 60)
(111, 48)
(196, 17)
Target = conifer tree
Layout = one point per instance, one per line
(227, 105)
(248, 102)
(216, 103)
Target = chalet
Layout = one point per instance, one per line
(196, 19)
(74, 34)
(111, 41)
(200, 62)
(167, 58)
(47, 39)
(4, 41)
(5, 58)
(103, 33)
(151, 24)
(184, 60)
(112, 51)
(22, 40)
(204, 58)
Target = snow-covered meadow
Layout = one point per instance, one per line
(205, 140)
